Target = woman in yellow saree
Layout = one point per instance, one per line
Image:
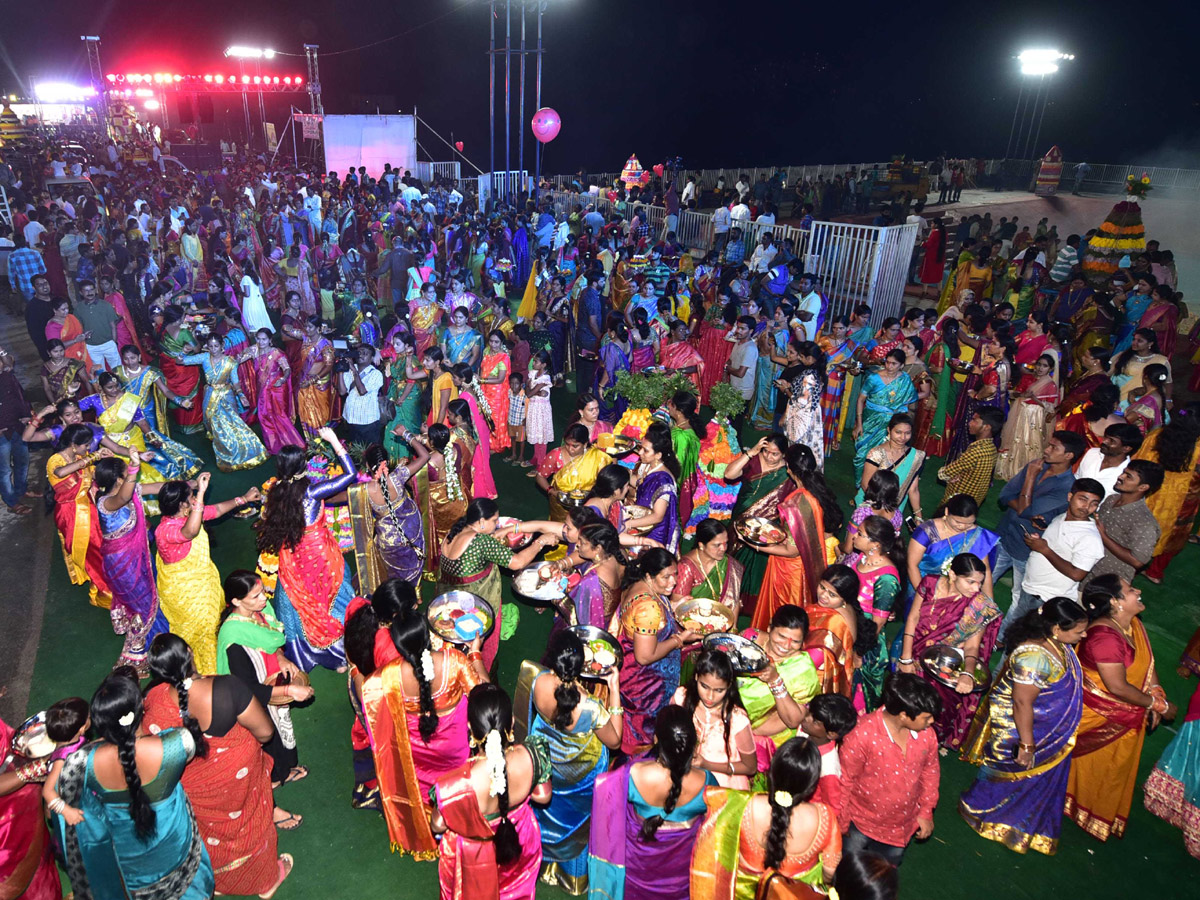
(570, 469)
(69, 472)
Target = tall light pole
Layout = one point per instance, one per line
(1041, 63)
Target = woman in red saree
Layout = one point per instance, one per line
(492, 843)
(229, 780)
(680, 356)
(175, 341)
(1121, 696)
(795, 563)
(69, 472)
(710, 342)
(27, 867)
(1162, 317)
(1031, 344)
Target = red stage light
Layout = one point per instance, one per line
(257, 80)
(275, 80)
(208, 78)
(134, 78)
(111, 77)
(145, 78)
(287, 79)
(299, 81)
(158, 78)
(245, 79)
(220, 79)
(177, 78)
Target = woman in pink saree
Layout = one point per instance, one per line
(471, 394)
(276, 402)
(27, 868)
(492, 843)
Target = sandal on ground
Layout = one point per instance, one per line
(20, 509)
(297, 774)
(291, 823)
(285, 869)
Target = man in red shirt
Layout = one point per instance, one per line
(890, 771)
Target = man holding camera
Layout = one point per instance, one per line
(359, 386)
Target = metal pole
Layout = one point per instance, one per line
(1013, 127)
(292, 125)
(537, 149)
(1033, 110)
(1017, 144)
(262, 108)
(1045, 102)
(521, 105)
(492, 99)
(507, 96)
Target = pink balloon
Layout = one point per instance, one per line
(546, 124)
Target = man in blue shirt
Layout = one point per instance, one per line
(589, 331)
(1032, 498)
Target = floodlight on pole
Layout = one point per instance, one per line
(238, 51)
(1041, 62)
(1038, 63)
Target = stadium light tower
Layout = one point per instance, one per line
(1040, 63)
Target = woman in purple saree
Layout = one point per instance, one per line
(1017, 798)
(641, 849)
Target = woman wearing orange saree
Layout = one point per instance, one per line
(492, 844)
(314, 394)
(795, 563)
(415, 712)
(69, 472)
(1176, 447)
(65, 327)
(834, 622)
(425, 313)
(493, 380)
(1121, 695)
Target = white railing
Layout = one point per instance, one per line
(428, 171)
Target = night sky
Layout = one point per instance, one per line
(715, 83)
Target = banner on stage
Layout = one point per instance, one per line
(310, 126)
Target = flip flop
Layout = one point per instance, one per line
(286, 864)
(291, 823)
(297, 774)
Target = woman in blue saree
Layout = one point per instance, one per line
(616, 356)
(461, 343)
(884, 394)
(1017, 798)
(580, 733)
(139, 840)
(1135, 306)
(772, 348)
(234, 444)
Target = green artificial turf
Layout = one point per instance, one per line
(338, 846)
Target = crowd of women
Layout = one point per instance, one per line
(682, 770)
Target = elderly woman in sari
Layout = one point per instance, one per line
(1121, 698)
(235, 446)
(775, 699)
(1022, 738)
(69, 471)
(389, 539)
(762, 473)
(314, 584)
(126, 551)
(884, 394)
(953, 610)
(570, 469)
(652, 641)
(63, 378)
(469, 559)
(117, 412)
(484, 809)
(412, 699)
(314, 394)
(806, 513)
(580, 732)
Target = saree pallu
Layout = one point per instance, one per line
(793, 580)
(686, 444)
(485, 584)
(365, 793)
(191, 597)
(1173, 788)
(641, 357)
(883, 401)
(184, 382)
(467, 866)
(230, 793)
(247, 376)
(235, 446)
(592, 601)
(498, 365)
(953, 621)
(1018, 807)
(576, 474)
(459, 347)
(78, 527)
(652, 488)
(577, 758)
(715, 351)
(613, 360)
(405, 765)
(829, 632)
(440, 512)
(645, 689)
(27, 868)
(1174, 505)
(64, 377)
(803, 682)
(1023, 438)
(311, 596)
(482, 482)
(408, 416)
(130, 573)
(425, 318)
(878, 591)
(67, 331)
(623, 866)
(760, 495)
(387, 544)
(276, 405)
(727, 865)
(1108, 746)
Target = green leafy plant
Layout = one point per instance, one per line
(725, 400)
(642, 391)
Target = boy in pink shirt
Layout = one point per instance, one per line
(828, 719)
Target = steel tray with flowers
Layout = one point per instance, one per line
(571, 499)
(460, 616)
(601, 651)
(542, 581)
(515, 540)
(761, 531)
(746, 657)
(705, 616)
(945, 663)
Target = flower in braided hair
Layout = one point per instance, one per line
(493, 751)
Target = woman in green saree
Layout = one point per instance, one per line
(762, 474)
(406, 380)
(774, 700)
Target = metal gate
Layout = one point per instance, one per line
(861, 264)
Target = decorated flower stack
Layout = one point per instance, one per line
(714, 499)
(1121, 234)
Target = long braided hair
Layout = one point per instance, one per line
(490, 709)
(116, 698)
(171, 663)
(795, 768)
(674, 747)
(410, 634)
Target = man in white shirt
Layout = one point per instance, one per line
(760, 259)
(360, 410)
(1106, 462)
(919, 220)
(689, 192)
(1062, 555)
(411, 196)
(455, 198)
(742, 187)
(743, 363)
(808, 306)
(721, 220)
(34, 229)
(740, 212)
(767, 216)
